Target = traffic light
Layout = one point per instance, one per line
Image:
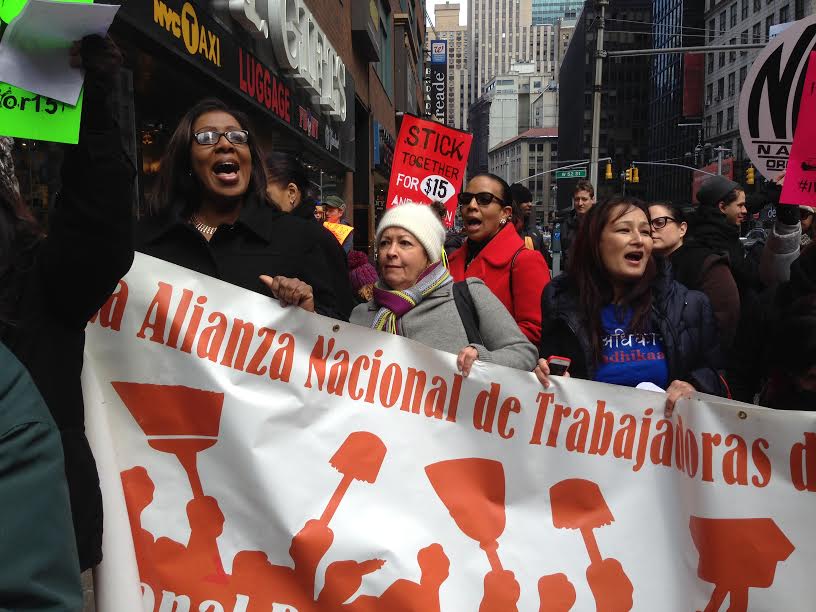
(635, 175)
(749, 175)
(609, 176)
(629, 175)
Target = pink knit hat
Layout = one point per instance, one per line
(361, 272)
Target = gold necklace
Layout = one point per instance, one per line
(207, 230)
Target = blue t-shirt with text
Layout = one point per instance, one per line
(629, 359)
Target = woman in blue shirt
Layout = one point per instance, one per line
(619, 316)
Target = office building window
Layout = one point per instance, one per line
(729, 121)
(743, 74)
(769, 21)
(733, 15)
(755, 33)
(720, 89)
(732, 55)
(722, 59)
(757, 5)
(744, 9)
(722, 22)
(709, 93)
(710, 63)
(711, 26)
(719, 122)
(784, 14)
(732, 83)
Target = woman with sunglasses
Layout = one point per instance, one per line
(697, 267)
(495, 253)
(211, 213)
(619, 316)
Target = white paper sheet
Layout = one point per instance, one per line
(34, 51)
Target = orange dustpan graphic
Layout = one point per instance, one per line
(359, 457)
(473, 492)
(736, 554)
(579, 504)
(178, 420)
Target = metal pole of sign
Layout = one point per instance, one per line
(600, 54)
(321, 184)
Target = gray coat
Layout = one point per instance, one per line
(780, 251)
(435, 322)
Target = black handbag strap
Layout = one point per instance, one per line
(467, 312)
(513, 263)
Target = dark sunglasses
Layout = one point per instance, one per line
(211, 137)
(660, 222)
(483, 198)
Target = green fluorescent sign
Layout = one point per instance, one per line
(567, 174)
(27, 115)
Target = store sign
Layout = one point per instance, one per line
(769, 103)
(257, 81)
(439, 51)
(185, 26)
(187, 29)
(429, 164)
(301, 47)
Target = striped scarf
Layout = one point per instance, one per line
(394, 304)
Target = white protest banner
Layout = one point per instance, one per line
(269, 459)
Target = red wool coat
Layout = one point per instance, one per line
(492, 265)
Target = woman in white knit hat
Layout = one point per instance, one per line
(415, 297)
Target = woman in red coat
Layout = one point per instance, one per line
(495, 253)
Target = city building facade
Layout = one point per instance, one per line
(527, 158)
(550, 11)
(624, 95)
(501, 34)
(512, 104)
(675, 102)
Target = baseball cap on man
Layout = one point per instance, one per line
(334, 201)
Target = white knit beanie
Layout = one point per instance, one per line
(422, 222)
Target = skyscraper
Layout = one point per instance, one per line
(501, 34)
(549, 11)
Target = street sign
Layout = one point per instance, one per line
(568, 174)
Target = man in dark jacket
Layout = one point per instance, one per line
(37, 547)
(583, 198)
(716, 225)
(525, 222)
(56, 284)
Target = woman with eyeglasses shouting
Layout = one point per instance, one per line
(697, 267)
(210, 212)
(495, 253)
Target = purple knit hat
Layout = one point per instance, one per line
(361, 272)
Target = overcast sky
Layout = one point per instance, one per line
(462, 13)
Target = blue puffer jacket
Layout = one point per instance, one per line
(682, 317)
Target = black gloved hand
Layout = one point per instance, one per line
(99, 57)
(787, 214)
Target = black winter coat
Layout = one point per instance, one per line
(336, 258)
(263, 240)
(68, 276)
(569, 231)
(683, 318)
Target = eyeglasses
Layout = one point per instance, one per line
(483, 198)
(211, 137)
(660, 222)
(804, 214)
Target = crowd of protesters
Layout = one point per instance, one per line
(650, 294)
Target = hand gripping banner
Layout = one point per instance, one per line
(255, 458)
